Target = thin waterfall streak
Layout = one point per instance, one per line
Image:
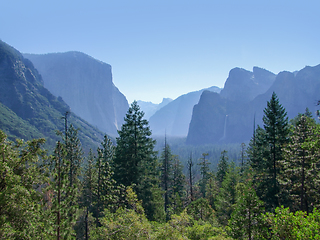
(224, 129)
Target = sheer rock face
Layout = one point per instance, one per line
(230, 116)
(174, 118)
(85, 84)
(31, 109)
(244, 86)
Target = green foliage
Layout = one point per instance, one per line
(227, 196)
(201, 210)
(172, 182)
(178, 187)
(21, 183)
(205, 230)
(184, 226)
(204, 171)
(74, 155)
(134, 150)
(246, 220)
(266, 149)
(166, 177)
(299, 225)
(222, 167)
(16, 127)
(63, 196)
(124, 224)
(135, 160)
(212, 191)
(104, 189)
(300, 178)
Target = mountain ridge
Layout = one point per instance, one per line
(27, 103)
(296, 91)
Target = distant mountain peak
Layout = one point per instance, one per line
(243, 85)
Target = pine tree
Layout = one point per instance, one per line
(191, 177)
(222, 167)
(243, 158)
(204, 171)
(178, 186)
(227, 195)
(87, 196)
(212, 190)
(246, 220)
(266, 151)
(105, 193)
(23, 210)
(74, 155)
(135, 161)
(63, 196)
(166, 177)
(300, 179)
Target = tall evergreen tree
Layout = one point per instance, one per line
(74, 154)
(246, 220)
(227, 196)
(204, 171)
(300, 178)
(63, 195)
(65, 186)
(266, 151)
(104, 188)
(166, 176)
(178, 186)
(191, 177)
(135, 161)
(243, 157)
(222, 167)
(23, 209)
(87, 196)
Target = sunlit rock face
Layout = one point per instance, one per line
(244, 86)
(86, 85)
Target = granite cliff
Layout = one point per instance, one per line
(229, 117)
(174, 118)
(28, 109)
(86, 85)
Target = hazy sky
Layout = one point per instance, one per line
(167, 48)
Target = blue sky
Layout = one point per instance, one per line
(167, 48)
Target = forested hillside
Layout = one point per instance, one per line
(128, 191)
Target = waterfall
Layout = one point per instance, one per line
(224, 129)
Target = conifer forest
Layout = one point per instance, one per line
(126, 189)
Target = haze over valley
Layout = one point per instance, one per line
(208, 116)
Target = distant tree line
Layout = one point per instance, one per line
(129, 191)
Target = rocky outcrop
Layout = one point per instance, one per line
(86, 85)
(174, 118)
(244, 86)
(228, 118)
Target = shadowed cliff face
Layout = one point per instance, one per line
(209, 124)
(86, 85)
(174, 118)
(25, 100)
